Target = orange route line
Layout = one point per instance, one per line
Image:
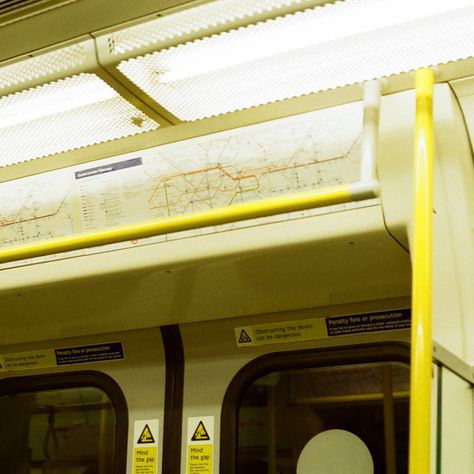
(14, 221)
(193, 173)
(6, 223)
(250, 174)
(216, 190)
(196, 190)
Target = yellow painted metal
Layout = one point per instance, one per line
(212, 217)
(421, 339)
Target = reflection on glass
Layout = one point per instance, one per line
(281, 412)
(68, 431)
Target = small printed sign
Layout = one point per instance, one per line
(200, 436)
(98, 170)
(29, 360)
(320, 328)
(274, 333)
(145, 447)
(92, 353)
(63, 356)
(371, 322)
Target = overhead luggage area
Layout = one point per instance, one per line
(341, 253)
(338, 254)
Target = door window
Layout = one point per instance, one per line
(311, 420)
(60, 431)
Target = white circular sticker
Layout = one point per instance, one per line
(335, 452)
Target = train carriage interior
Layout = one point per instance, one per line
(236, 237)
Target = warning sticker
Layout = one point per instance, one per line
(201, 433)
(320, 328)
(146, 436)
(244, 337)
(200, 437)
(64, 356)
(29, 360)
(372, 322)
(273, 333)
(145, 447)
(92, 353)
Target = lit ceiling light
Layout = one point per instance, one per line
(209, 17)
(296, 54)
(65, 115)
(286, 34)
(45, 67)
(54, 98)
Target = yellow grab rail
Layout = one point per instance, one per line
(421, 341)
(238, 212)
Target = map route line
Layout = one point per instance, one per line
(203, 171)
(5, 222)
(256, 173)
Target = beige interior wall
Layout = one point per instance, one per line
(453, 245)
(213, 359)
(141, 374)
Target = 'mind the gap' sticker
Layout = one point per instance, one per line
(145, 447)
(200, 445)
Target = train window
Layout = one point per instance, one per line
(347, 418)
(70, 430)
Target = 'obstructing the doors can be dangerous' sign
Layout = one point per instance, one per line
(320, 328)
(45, 358)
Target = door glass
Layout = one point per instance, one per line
(353, 415)
(67, 431)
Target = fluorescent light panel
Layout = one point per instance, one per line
(156, 32)
(43, 66)
(65, 115)
(313, 50)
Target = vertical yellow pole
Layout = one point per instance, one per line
(421, 342)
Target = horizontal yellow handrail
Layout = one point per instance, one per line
(225, 215)
(421, 342)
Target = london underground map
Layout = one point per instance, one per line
(289, 155)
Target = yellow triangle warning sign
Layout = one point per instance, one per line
(201, 433)
(146, 437)
(244, 337)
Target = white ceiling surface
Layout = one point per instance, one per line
(361, 67)
(72, 21)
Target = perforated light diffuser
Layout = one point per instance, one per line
(215, 13)
(310, 51)
(65, 115)
(36, 68)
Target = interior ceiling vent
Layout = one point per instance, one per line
(15, 10)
